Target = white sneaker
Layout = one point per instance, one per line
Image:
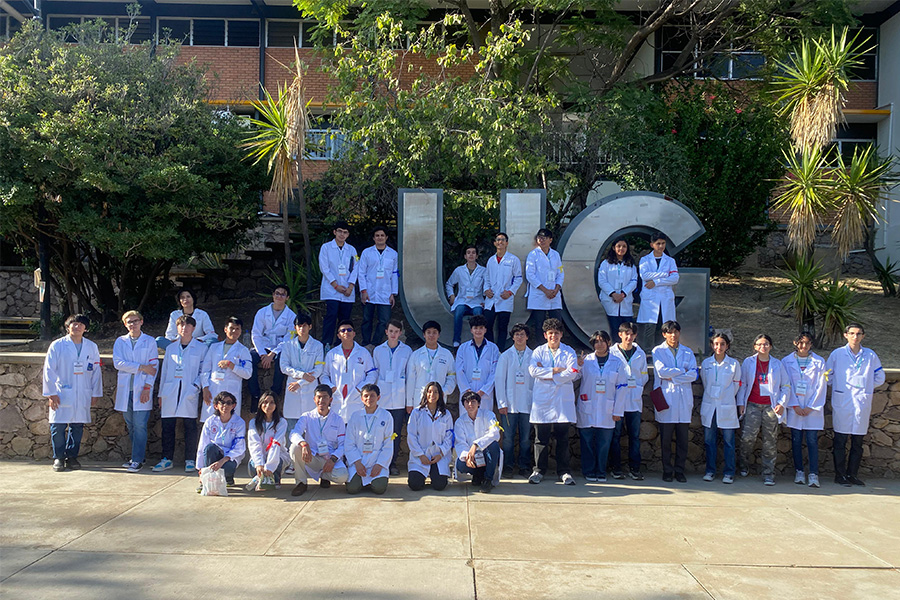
(125, 465)
(134, 467)
(567, 479)
(535, 477)
(592, 479)
(769, 480)
(800, 477)
(709, 477)
(813, 480)
(190, 466)
(163, 465)
(289, 470)
(728, 479)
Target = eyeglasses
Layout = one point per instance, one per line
(346, 330)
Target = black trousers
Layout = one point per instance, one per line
(502, 321)
(168, 437)
(680, 431)
(542, 434)
(416, 480)
(844, 466)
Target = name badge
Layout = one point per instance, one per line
(800, 388)
(322, 447)
(218, 376)
(179, 372)
(600, 386)
(388, 376)
(715, 391)
(470, 293)
(379, 273)
(476, 374)
(765, 388)
(550, 276)
(368, 447)
(479, 458)
(78, 368)
(632, 383)
(342, 270)
(520, 378)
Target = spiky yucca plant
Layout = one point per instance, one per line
(806, 194)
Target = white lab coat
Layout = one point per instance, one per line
(355, 371)
(477, 373)
(268, 332)
(636, 369)
(127, 361)
(225, 380)
(391, 374)
(429, 436)
(721, 383)
(378, 429)
(779, 382)
(378, 274)
(513, 383)
(853, 381)
(501, 277)
(313, 429)
(75, 391)
(203, 330)
(469, 286)
(602, 393)
(553, 399)
(547, 270)
(180, 380)
(295, 363)
(270, 448)
(231, 437)
(483, 430)
(617, 278)
(674, 373)
(662, 296)
(425, 366)
(808, 390)
(337, 264)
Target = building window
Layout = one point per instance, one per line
(243, 33)
(118, 26)
(8, 27)
(868, 37)
(210, 32)
(851, 137)
(736, 64)
(323, 142)
(282, 34)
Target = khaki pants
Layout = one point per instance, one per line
(760, 417)
(338, 474)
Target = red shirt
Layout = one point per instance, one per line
(762, 376)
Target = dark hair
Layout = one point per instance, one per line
(396, 323)
(325, 389)
(345, 322)
(189, 291)
(543, 231)
(671, 327)
(553, 325)
(723, 337)
(260, 419)
(803, 335)
(656, 236)
(763, 336)
(441, 404)
(613, 258)
(187, 320)
(281, 286)
(600, 335)
(302, 319)
(222, 397)
(520, 327)
(431, 325)
(628, 326)
(470, 395)
(340, 224)
(79, 318)
(503, 233)
(854, 325)
(477, 321)
(472, 246)
(371, 387)
(378, 228)
(235, 320)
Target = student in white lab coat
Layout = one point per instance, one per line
(226, 366)
(476, 363)
(465, 290)
(368, 445)
(223, 439)
(348, 367)
(204, 331)
(600, 405)
(719, 409)
(180, 385)
(337, 261)
(270, 326)
(136, 358)
(477, 442)
(391, 359)
(659, 274)
(765, 390)
(378, 279)
(554, 367)
(635, 361)
(317, 445)
(430, 440)
(267, 445)
(545, 277)
(431, 362)
(854, 372)
(514, 386)
(617, 280)
(302, 362)
(502, 279)
(805, 410)
(72, 384)
(675, 368)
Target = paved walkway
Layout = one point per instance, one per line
(102, 533)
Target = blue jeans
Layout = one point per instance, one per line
(485, 473)
(66, 439)
(512, 423)
(136, 421)
(381, 314)
(812, 449)
(335, 311)
(253, 384)
(458, 313)
(631, 423)
(709, 440)
(213, 453)
(162, 343)
(595, 444)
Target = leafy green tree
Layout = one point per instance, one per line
(112, 151)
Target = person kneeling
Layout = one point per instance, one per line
(430, 438)
(369, 444)
(223, 439)
(266, 439)
(317, 444)
(477, 442)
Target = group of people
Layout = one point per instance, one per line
(335, 414)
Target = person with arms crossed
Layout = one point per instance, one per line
(659, 274)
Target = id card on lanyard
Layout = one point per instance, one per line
(368, 443)
(322, 446)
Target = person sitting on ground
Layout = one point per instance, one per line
(317, 444)
(368, 444)
(266, 442)
(429, 435)
(477, 435)
(223, 438)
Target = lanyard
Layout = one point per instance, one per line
(322, 421)
(857, 360)
(391, 358)
(431, 358)
(78, 349)
(553, 357)
(368, 426)
(521, 358)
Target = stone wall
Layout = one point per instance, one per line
(25, 433)
(18, 296)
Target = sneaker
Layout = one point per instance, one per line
(253, 486)
(126, 465)
(668, 477)
(800, 478)
(592, 479)
(680, 478)
(72, 463)
(769, 480)
(567, 479)
(728, 479)
(636, 475)
(163, 465)
(59, 465)
(618, 475)
(841, 480)
(535, 477)
(524, 472)
(394, 471)
(745, 472)
(855, 480)
(486, 486)
(267, 483)
(289, 470)
(600, 479)
(299, 489)
(200, 489)
(507, 473)
(813, 480)
(190, 466)
(709, 477)
(325, 483)
(229, 480)
(134, 467)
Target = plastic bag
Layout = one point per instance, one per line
(213, 482)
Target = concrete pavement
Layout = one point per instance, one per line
(102, 533)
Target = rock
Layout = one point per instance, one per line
(99, 446)
(13, 379)
(36, 411)
(881, 438)
(649, 432)
(33, 392)
(42, 451)
(21, 445)
(879, 403)
(40, 428)
(10, 419)
(11, 392)
(114, 426)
